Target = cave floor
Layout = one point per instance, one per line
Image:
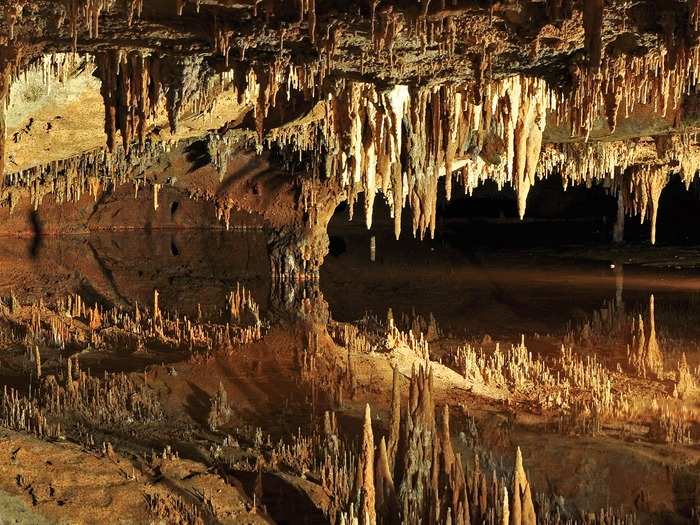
(521, 344)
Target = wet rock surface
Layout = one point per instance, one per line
(181, 341)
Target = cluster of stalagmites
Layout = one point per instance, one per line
(413, 474)
(579, 391)
(582, 390)
(114, 399)
(108, 402)
(173, 509)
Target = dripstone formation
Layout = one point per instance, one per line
(376, 97)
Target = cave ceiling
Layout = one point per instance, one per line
(373, 97)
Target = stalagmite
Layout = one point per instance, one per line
(156, 190)
(654, 359)
(365, 466)
(522, 508)
(384, 484)
(156, 306)
(505, 513)
(37, 361)
(685, 382)
(395, 422)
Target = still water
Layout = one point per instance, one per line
(501, 293)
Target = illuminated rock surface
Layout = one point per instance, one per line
(200, 350)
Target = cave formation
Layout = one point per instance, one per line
(266, 115)
(336, 101)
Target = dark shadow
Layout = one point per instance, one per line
(198, 404)
(37, 235)
(336, 245)
(91, 296)
(198, 155)
(284, 502)
(107, 273)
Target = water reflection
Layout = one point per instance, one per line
(190, 269)
(500, 294)
(211, 355)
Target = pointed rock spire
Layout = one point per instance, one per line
(367, 512)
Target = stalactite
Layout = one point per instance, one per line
(637, 171)
(647, 182)
(694, 15)
(657, 80)
(13, 13)
(432, 129)
(613, 98)
(5, 83)
(527, 141)
(307, 8)
(593, 25)
(688, 156)
(134, 85)
(90, 11)
(135, 9)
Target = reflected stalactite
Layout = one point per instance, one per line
(619, 287)
(619, 227)
(645, 355)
